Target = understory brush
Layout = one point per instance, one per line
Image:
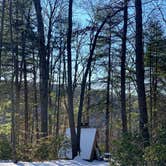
(129, 150)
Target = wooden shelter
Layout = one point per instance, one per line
(88, 143)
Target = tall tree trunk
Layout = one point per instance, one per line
(35, 97)
(83, 84)
(88, 98)
(64, 70)
(43, 70)
(140, 74)
(129, 107)
(13, 134)
(70, 86)
(76, 67)
(50, 88)
(123, 69)
(59, 95)
(151, 94)
(48, 47)
(89, 83)
(1, 35)
(26, 114)
(112, 99)
(17, 83)
(155, 81)
(107, 115)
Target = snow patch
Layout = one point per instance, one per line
(76, 162)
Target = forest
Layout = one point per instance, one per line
(74, 64)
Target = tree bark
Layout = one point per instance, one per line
(123, 69)
(88, 98)
(155, 82)
(26, 114)
(140, 74)
(43, 70)
(151, 94)
(59, 94)
(70, 108)
(107, 115)
(129, 107)
(1, 35)
(35, 97)
(13, 134)
(17, 81)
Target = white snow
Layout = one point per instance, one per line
(76, 162)
(86, 142)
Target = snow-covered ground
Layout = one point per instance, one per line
(75, 162)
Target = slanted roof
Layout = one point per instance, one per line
(87, 142)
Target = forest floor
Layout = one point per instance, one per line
(75, 162)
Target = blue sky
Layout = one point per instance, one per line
(150, 9)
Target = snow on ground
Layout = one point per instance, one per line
(75, 162)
